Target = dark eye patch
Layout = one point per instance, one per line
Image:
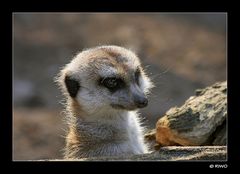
(72, 86)
(137, 75)
(112, 83)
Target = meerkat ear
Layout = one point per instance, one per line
(72, 86)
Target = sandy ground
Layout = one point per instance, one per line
(38, 134)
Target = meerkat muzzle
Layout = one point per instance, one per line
(138, 97)
(141, 102)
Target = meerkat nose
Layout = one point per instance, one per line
(141, 102)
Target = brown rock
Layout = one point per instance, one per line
(220, 137)
(200, 121)
(150, 138)
(173, 153)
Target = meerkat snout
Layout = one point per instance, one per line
(103, 86)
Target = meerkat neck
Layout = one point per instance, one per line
(119, 119)
(101, 126)
(121, 134)
(104, 116)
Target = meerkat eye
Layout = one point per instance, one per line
(112, 83)
(137, 75)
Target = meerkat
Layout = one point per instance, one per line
(104, 87)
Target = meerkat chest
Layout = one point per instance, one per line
(135, 136)
(123, 137)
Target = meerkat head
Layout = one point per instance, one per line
(104, 79)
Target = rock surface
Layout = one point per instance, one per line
(200, 121)
(172, 153)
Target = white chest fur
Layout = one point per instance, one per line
(135, 133)
(120, 136)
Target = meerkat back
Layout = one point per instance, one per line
(103, 88)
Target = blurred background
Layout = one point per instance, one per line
(180, 51)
